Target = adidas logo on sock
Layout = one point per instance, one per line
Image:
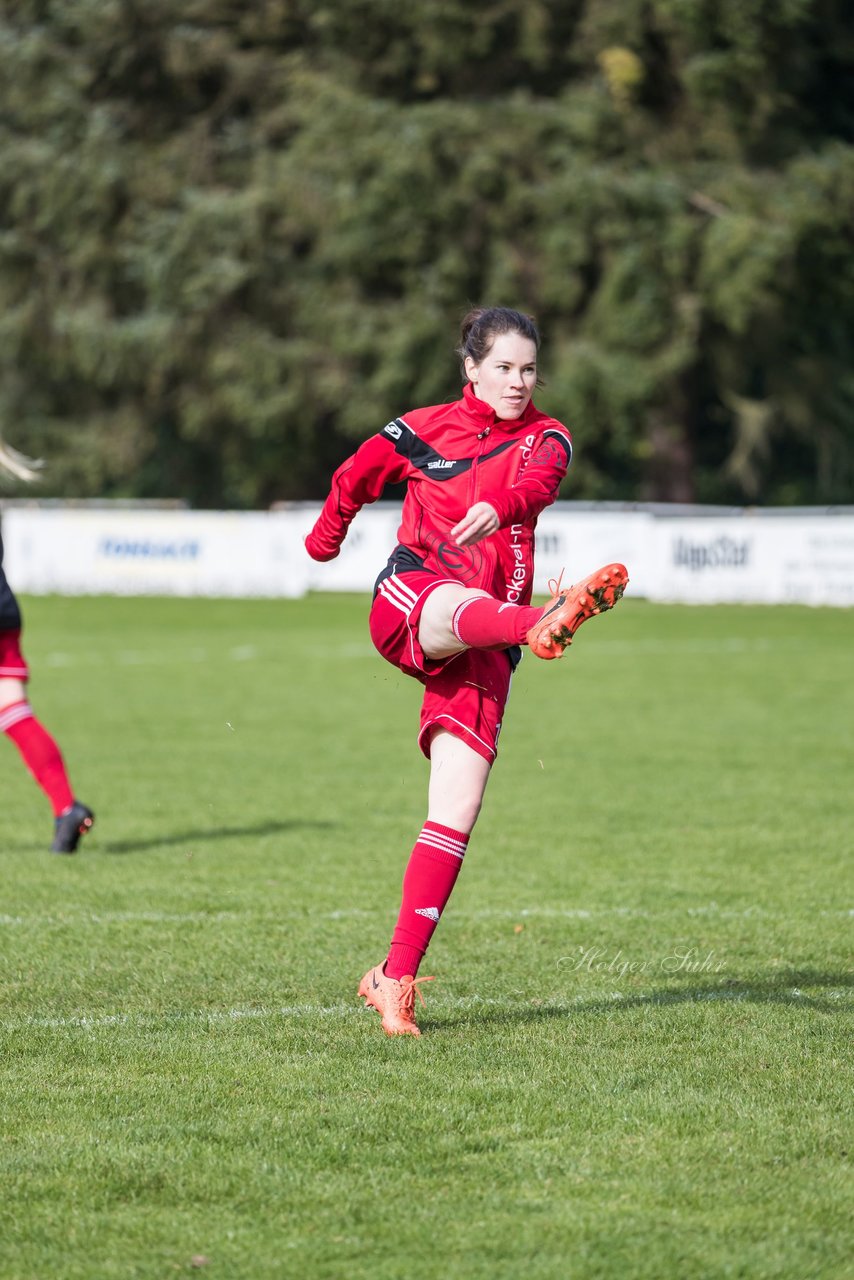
(432, 913)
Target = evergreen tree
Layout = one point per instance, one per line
(235, 239)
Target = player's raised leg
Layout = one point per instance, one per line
(455, 618)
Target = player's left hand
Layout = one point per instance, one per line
(478, 522)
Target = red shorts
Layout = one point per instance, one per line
(12, 662)
(465, 694)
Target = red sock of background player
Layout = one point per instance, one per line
(41, 754)
(430, 876)
(485, 623)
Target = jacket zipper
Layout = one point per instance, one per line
(489, 557)
(483, 437)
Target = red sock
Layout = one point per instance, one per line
(484, 623)
(430, 876)
(41, 754)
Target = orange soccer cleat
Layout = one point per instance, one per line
(393, 1000)
(567, 609)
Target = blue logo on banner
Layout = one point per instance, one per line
(147, 549)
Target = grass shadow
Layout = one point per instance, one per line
(779, 988)
(212, 833)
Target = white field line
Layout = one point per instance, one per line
(202, 1016)
(152, 657)
(607, 647)
(711, 910)
(342, 1010)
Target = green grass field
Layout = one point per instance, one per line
(636, 1058)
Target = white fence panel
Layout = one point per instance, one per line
(694, 559)
(754, 558)
(127, 552)
(578, 542)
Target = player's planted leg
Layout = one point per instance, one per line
(458, 777)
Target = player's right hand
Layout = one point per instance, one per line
(320, 548)
(478, 523)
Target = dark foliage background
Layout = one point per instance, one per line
(236, 238)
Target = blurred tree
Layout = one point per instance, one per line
(234, 238)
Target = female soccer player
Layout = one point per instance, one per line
(452, 606)
(40, 752)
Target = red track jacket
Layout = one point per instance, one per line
(454, 455)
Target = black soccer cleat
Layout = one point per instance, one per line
(70, 826)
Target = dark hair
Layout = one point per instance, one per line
(483, 325)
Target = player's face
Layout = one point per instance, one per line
(506, 377)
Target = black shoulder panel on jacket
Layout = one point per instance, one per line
(427, 460)
(551, 433)
(420, 455)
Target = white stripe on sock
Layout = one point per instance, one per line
(446, 843)
(14, 715)
(459, 609)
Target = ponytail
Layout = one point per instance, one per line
(15, 464)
